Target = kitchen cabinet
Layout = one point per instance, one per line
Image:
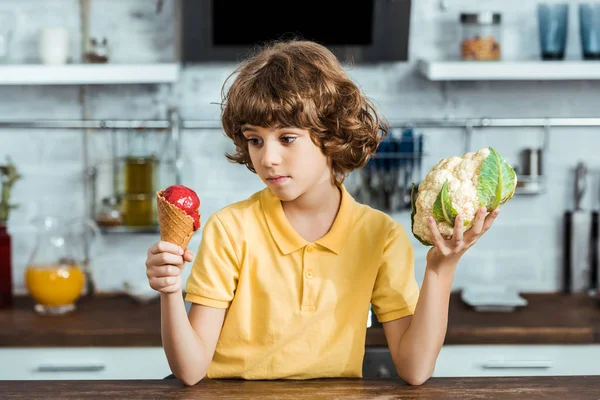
(518, 360)
(122, 363)
(498, 360)
(83, 363)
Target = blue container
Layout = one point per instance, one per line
(553, 23)
(589, 26)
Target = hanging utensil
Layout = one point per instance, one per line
(577, 236)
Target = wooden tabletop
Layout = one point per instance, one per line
(565, 388)
(120, 321)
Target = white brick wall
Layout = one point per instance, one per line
(522, 250)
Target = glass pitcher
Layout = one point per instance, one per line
(55, 276)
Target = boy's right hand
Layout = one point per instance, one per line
(164, 265)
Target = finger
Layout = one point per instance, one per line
(170, 289)
(438, 239)
(165, 247)
(164, 259)
(489, 220)
(163, 271)
(458, 230)
(162, 282)
(188, 256)
(478, 222)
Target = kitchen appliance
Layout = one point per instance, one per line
(226, 30)
(577, 238)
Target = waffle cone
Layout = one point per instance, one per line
(175, 225)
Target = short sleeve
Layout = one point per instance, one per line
(396, 290)
(214, 275)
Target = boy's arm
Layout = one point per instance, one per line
(415, 341)
(189, 341)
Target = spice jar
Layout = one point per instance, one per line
(481, 38)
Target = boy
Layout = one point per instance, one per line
(282, 282)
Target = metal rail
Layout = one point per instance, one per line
(216, 124)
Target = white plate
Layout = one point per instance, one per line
(492, 298)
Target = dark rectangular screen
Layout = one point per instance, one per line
(241, 23)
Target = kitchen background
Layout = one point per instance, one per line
(523, 250)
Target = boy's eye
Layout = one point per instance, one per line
(253, 141)
(288, 139)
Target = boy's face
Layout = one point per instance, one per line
(286, 159)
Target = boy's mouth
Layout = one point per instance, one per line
(277, 179)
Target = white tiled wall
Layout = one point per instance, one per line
(523, 249)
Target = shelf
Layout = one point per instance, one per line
(509, 70)
(88, 74)
(129, 229)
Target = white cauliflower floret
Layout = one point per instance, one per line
(462, 178)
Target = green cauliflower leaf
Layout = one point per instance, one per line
(496, 181)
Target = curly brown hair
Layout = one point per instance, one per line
(302, 84)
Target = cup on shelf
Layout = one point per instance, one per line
(553, 25)
(54, 46)
(6, 33)
(589, 28)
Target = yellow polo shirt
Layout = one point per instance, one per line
(298, 310)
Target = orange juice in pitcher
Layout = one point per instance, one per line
(55, 288)
(54, 277)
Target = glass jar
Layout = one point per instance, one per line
(140, 175)
(54, 275)
(110, 213)
(139, 209)
(481, 38)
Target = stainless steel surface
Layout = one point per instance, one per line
(580, 234)
(216, 124)
(532, 162)
(84, 124)
(580, 184)
(175, 123)
(482, 18)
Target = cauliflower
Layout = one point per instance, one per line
(460, 186)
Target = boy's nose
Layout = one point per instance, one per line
(270, 156)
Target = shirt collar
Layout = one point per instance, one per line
(286, 237)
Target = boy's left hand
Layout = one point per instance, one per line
(447, 252)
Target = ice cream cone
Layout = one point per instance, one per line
(175, 225)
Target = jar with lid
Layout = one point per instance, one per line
(481, 36)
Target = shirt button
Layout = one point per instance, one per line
(308, 274)
(310, 248)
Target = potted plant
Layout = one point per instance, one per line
(8, 177)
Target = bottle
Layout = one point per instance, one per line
(5, 268)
